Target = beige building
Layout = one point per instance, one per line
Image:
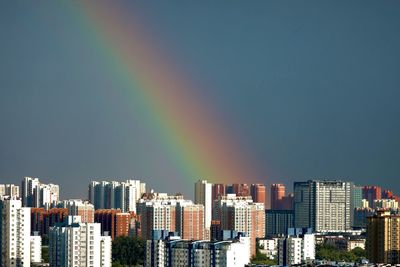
(383, 238)
(240, 213)
(159, 211)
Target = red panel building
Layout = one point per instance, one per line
(258, 193)
(242, 190)
(113, 221)
(277, 194)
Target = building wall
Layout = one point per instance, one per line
(277, 194)
(15, 233)
(324, 206)
(383, 238)
(278, 221)
(36, 249)
(79, 244)
(204, 196)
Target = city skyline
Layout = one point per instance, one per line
(344, 216)
(261, 93)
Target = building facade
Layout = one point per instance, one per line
(277, 222)
(14, 233)
(9, 190)
(296, 249)
(203, 192)
(171, 213)
(78, 244)
(241, 214)
(278, 192)
(324, 206)
(37, 194)
(113, 222)
(175, 252)
(371, 193)
(116, 195)
(383, 238)
(258, 193)
(78, 207)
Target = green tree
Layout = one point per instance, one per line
(261, 258)
(331, 253)
(45, 254)
(128, 251)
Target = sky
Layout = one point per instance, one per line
(287, 91)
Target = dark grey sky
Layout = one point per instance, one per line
(311, 88)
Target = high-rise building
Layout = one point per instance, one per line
(28, 186)
(9, 190)
(324, 206)
(387, 194)
(217, 190)
(37, 220)
(78, 207)
(371, 193)
(116, 195)
(287, 202)
(258, 193)
(157, 213)
(203, 195)
(115, 222)
(74, 243)
(241, 214)
(383, 238)
(170, 213)
(190, 220)
(357, 197)
(360, 216)
(242, 190)
(46, 195)
(277, 222)
(39, 195)
(14, 233)
(54, 216)
(277, 194)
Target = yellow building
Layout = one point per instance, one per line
(383, 238)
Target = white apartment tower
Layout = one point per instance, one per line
(79, 244)
(240, 213)
(324, 206)
(28, 186)
(36, 248)
(39, 195)
(203, 195)
(9, 190)
(15, 231)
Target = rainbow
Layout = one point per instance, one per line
(201, 146)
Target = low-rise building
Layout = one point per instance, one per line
(269, 247)
(173, 251)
